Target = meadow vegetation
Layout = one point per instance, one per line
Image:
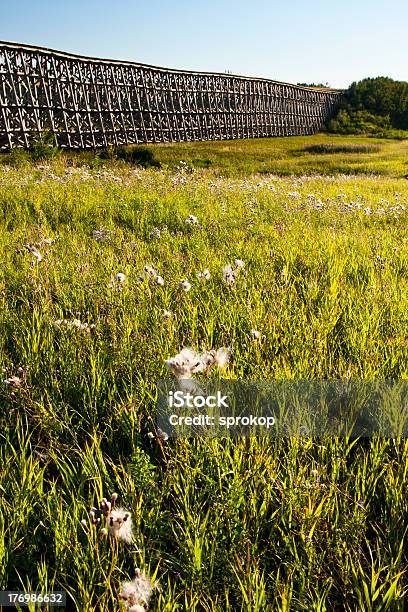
(222, 524)
(321, 154)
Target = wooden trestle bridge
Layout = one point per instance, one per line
(88, 103)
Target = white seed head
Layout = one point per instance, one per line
(34, 251)
(74, 324)
(222, 357)
(149, 271)
(120, 277)
(155, 233)
(185, 364)
(137, 593)
(229, 275)
(189, 362)
(119, 522)
(185, 285)
(13, 381)
(191, 220)
(204, 275)
(163, 435)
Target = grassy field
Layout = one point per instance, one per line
(288, 156)
(223, 525)
(319, 154)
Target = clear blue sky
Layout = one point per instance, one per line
(338, 41)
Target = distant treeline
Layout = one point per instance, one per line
(375, 106)
(323, 85)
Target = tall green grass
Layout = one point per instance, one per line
(279, 524)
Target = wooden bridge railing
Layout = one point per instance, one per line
(90, 103)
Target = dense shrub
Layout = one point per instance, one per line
(330, 147)
(139, 156)
(374, 106)
(43, 147)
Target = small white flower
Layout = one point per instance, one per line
(159, 280)
(204, 275)
(137, 593)
(229, 275)
(155, 233)
(74, 323)
(185, 364)
(102, 235)
(222, 357)
(191, 220)
(149, 271)
(239, 263)
(163, 435)
(159, 435)
(13, 381)
(34, 251)
(167, 314)
(255, 334)
(185, 285)
(120, 277)
(119, 523)
(189, 362)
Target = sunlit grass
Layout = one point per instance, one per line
(295, 524)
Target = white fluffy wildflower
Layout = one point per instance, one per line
(189, 362)
(167, 314)
(222, 357)
(34, 251)
(155, 233)
(191, 220)
(149, 271)
(13, 381)
(185, 364)
(120, 277)
(239, 263)
(229, 275)
(217, 358)
(204, 275)
(119, 523)
(137, 593)
(255, 334)
(74, 324)
(160, 434)
(117, 281)
(102, 235)
(185, 285)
